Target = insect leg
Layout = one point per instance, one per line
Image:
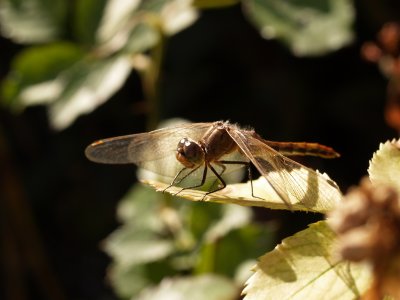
(248, 166)
(219, 178)
(175, 181)
(203, 179)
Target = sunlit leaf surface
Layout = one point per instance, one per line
(304, 267)
(384, 166)
(210, 287)
(265, 196)
(310, 27)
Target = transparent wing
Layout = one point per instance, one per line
(293, 182)
(154, 151)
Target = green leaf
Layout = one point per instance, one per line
(233, 217)
(130, 246)
(225, 255)
(312, 27)
(384, 166)
(215, 241)
(210, 287)
(142, 230)
(79, 89)
(35, 65)
(177, 15)
(315, 199)
(127, 281)
(140, 26)
(88, 15)
(32, 21)
(117, 20)
(139, 241)
(141, 38)
(303, 267)
(140, 207)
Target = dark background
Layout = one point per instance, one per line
(218, 69)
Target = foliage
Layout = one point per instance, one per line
(303, 266)
(110, 38)
(307, 27)
(163, 236)
(166, 246)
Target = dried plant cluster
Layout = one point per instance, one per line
(386, 53)
(368, 228)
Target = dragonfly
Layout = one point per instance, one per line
(204, 150)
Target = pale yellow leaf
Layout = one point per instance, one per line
(303, 267)
(314, 199)
(384, 166)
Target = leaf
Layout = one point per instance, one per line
(241, 194)
(36, 65)
(225, 255)
(312, 27)
(117, 19)
(88, 15)
(139, 207)
(177, 15)
(135, 26)
(233, 217)
(140, 249)
(384, 166)
(79, 89)
(32, 21)
(303, 267)
(210, 287)
(141, 38)
(130, 246)
(88, 85)
(142, 230)
(139, 241)
(127, 281)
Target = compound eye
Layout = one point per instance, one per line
(189, 153)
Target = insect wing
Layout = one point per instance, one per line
(293, 182)
(154, 151)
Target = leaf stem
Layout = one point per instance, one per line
(152, 76)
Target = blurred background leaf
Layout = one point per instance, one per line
(313, 27)
(88, 15)
(167, 237)
(210, 286)
(36, 65)
(101, 29)
(33, 21)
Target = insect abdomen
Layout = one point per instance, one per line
(303, 149)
